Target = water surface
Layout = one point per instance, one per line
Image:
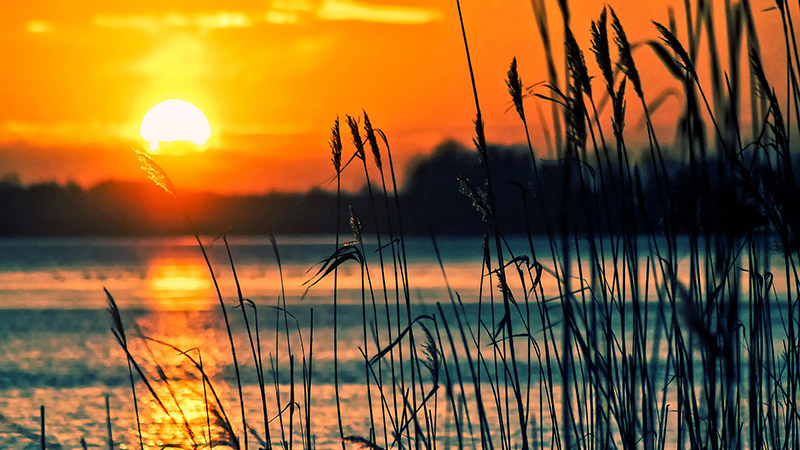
(57, 350)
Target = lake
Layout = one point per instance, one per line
(57, 349)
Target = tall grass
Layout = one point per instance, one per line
(638, 322)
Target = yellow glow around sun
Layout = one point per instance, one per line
(174, 120)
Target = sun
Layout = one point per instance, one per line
(174, 120)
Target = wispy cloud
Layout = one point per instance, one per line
(359, 11)
(280, 12)
(282, 17)
(38, 26)
(142, 23)
(54, 132)
(293, 5)
(154, 24)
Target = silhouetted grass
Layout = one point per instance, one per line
(669, 332)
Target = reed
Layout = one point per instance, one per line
(644, 319)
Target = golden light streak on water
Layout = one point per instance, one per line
(184, 411)
(190, 416)
(179, 284)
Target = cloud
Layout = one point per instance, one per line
(354, 10)
(63, 131)
(293, 5)
(142, 23)
(223, 20)
(38, 26)
(154, 24)
(282, 17)
(280, 12)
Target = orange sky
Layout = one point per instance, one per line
(271, 75)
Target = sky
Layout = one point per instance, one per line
(271, 76)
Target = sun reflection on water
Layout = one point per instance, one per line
(190, 416)
(187, 411)
(176, 284)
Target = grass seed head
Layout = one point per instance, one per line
(480, 137)
(373, 142)
(618, 122)
(431, 362)
(355, 224)
(673, 43)
(357, 141)
(766, 91)
(155, 173)
(336, 146)
(116, 318)
(577, 64)
(601, 50)
(479, 198)
(514, 83)
(625, 63)
(575, 117)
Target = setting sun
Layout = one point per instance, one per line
(174, 120)
(178, 180)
